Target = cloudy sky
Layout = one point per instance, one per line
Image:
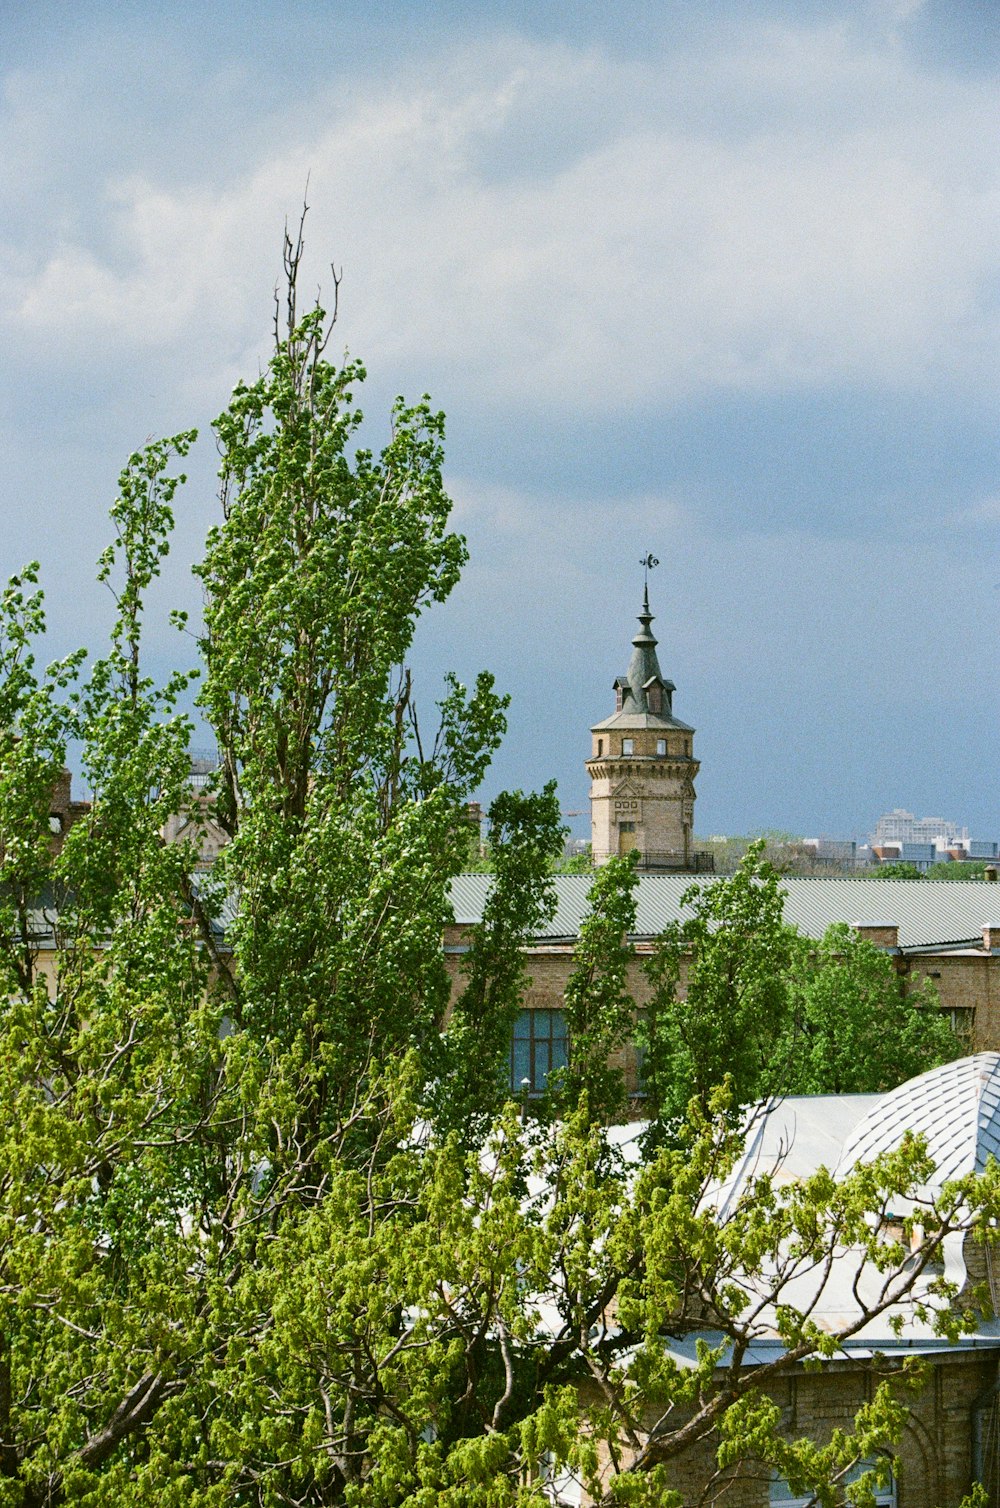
(719, 281)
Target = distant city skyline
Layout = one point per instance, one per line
(717, 282)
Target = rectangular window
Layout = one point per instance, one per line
(661, 746)
(600, 747)
(539, 1047)
(883, 1496)
(628, 745)
(626, 827)
(640, 1090)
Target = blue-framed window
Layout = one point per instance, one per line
(540, 1046)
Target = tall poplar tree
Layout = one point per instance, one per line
(269, 1233)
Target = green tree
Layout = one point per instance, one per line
(600, 1011)
(896, 870)
(856, 1026)
(965, 869)
(719, 997)
(269, 1234)
(737, 991)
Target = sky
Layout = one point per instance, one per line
(719, 281)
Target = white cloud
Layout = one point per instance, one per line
(784, 210)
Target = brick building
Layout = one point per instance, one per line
(951, 1436)
(642, 768)
(642, 771)
(947, 931)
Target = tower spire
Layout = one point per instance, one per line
(649, 563)
(644, 667)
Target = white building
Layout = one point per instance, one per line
(899, 826)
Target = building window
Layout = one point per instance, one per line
(540, 1046)
(661, 746)
(641, 1049)
(628, 745)
(600, 747)
(626, 827)
(882, 1496)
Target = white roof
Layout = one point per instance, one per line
(955, 1107)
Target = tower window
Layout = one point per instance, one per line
(629, 827)
(600, 747)
(661, 746)
(628, 745)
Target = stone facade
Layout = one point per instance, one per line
(642, 767)
(934, 1463)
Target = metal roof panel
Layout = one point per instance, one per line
(925, 911)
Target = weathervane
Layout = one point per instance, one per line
(648, 563)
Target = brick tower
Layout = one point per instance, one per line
(642, 768)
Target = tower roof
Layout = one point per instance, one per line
(637, 709)
(644, 667)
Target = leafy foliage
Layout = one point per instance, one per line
(268, 1233)
(963, 869)
(737, 991)
(857, 1026)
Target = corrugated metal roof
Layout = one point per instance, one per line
(956, 1107)
(925, 911)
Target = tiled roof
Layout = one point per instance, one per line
(925, 911)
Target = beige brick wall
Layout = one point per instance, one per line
(932, 1462)
(968, 983)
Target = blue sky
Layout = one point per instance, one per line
(721, 282)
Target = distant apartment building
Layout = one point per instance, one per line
(900, 837)
(900, 826)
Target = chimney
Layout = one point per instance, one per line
(882, 934)
(991, 938)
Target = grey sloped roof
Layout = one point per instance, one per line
(925, 911)
(628, 718)
(956, 1107)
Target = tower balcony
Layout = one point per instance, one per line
(664, 860)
